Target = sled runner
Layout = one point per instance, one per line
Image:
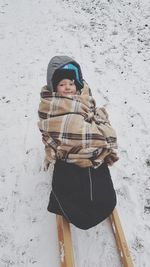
(120, 239)
(65, 243)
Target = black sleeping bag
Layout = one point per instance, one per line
(84, 196)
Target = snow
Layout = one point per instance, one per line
(111, 41)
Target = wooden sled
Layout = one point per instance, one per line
(65, 243)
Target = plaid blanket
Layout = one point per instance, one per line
(75, 130)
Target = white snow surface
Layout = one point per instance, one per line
(111, 41)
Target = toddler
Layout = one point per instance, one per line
(81, 140)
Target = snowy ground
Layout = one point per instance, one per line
(111, 41)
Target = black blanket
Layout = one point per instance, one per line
(84, 196)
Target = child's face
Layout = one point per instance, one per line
(66, 87)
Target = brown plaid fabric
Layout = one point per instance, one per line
(75, 130)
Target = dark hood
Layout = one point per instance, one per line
(56, 63)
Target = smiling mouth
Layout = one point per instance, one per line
(68, 93)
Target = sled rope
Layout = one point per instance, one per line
(65, 243)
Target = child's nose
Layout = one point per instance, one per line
(67, 86)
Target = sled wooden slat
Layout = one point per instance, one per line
(120, 239)
(65, 243)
